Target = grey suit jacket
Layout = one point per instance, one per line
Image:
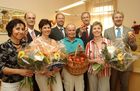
(110, 34)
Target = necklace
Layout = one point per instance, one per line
(15, 43)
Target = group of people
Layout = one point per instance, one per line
(90, 39)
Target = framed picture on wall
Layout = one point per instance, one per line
(7, 14)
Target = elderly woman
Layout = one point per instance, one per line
(99, 81)
(11, 72)
(51, 45)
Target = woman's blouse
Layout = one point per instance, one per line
(93, 52)
(8, 58)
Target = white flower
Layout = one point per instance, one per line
(111, 50)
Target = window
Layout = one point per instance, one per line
(101, 10)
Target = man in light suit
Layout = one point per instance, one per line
(119, 31)
(58, 32)
(31, 34)
(85, 30)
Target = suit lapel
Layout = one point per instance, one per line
(112, 33)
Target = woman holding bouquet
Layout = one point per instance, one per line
(97, 81)
(47, 45)
(11, 72)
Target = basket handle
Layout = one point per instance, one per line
(79, 47)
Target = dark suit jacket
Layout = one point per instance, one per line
(83, 37)
(29, 38)
(56, 34)
(110, 34)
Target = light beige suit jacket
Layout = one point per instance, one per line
(110, 34)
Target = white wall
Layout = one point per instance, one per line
(131, 11)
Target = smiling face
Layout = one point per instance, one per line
(60, 19)
(97, 30)
(46, 30)
(30, 19)
(18, 32)
(85, 17)
(118, 19)
(71, 31)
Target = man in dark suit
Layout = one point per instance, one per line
(85, 33)
(113, 33)
(31, 34)
(85, 30)
(58, 32)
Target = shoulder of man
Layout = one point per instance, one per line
(127, 28)
(109, 29)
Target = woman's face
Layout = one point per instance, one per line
(46, 30)
(97, 30)
(18, 32)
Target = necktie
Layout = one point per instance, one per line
(33, 35)
(87, 33)
(118, 33)
(61, 29)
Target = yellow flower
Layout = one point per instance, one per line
(120, 57)
(56, 55)
(21, 54)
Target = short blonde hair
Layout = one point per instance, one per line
(117, 12)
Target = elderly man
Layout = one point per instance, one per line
(31, 34)
(58, 32)
(72, 82)
(113, 33)
(30, 22)
(85, 30)
(85, 33)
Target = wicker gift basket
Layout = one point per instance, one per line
(77, 63)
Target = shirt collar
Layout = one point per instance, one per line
(104, 41)
(30, 30)
(121, 27)
(69, 40)
(60, 27)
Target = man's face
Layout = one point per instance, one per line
(118, 19)
(30, 19)
(71, 31)
(85, 19)
(60, 20)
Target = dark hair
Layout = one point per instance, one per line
(44, 22)
(97, 23)
(59, 14)
(85, 13)
(12, 24)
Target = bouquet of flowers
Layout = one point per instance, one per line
(42, 57)
(118, 55)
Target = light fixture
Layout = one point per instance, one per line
(72, 5)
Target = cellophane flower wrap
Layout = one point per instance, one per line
(119, 55)
(42, 57)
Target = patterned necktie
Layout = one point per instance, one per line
(33, 34)
(118, 33)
